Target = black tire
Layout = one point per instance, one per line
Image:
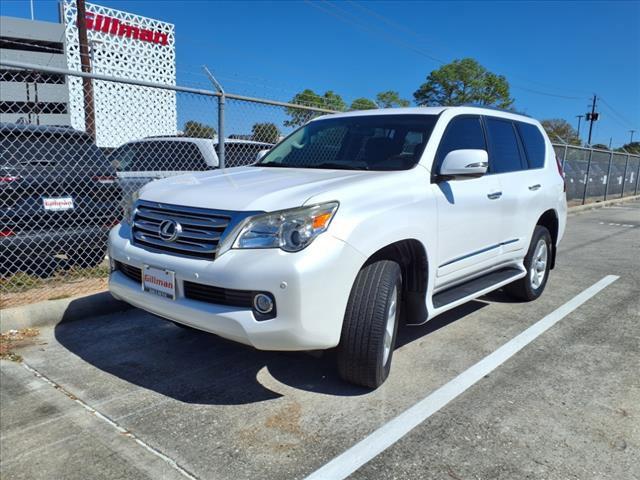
(524, 288)
(361, 350)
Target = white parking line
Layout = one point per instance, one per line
(348, 462)
(154, 451)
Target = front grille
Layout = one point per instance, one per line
(134, 273)
(200, 230)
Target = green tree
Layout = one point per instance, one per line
(330, 101)
(391, 99)
(461, 82)
(600, 146)
(199, 130)
(633, 147)
(559, 129)
(265, 132)
(363, 104)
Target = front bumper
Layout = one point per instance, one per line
(310, 287)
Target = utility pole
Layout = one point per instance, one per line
(85, 62)
(579, 120)
(592, 117)
(631, 132)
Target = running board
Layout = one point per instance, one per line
(467, 289)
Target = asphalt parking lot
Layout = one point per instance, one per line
(131, 396)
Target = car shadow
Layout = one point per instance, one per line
(200, 368)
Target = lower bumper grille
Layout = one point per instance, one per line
(217, 295)
(207, 293)
(133, 273)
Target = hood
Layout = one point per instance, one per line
(249, 188)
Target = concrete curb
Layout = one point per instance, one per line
(591, 206)
(52, 312)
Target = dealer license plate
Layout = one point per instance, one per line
(159, 281)
(57, 204)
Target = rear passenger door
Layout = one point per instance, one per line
(507, 163)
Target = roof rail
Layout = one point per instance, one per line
(490, 107)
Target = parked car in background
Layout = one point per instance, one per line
(140, 161)
(353, 223)
(59, 196)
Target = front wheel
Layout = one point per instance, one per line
(370, 325)
(537, 262)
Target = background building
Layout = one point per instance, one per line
(124, 45)
(121, 44)
(33, 97)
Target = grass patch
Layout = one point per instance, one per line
(21, 282)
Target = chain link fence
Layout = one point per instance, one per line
(597, 175)
(68, 164)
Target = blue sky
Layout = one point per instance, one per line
(565, 50)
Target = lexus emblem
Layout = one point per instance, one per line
(169, 230)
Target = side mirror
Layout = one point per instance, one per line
(465, 163)
(261, 154)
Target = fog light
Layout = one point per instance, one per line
(263, 303)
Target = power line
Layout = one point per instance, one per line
(615, 112)
(367, 27)
(360, 25)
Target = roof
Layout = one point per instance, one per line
(182, 138)
(27, 127)
(462, 109)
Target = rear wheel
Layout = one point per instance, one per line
(370, 325)
(537, 262)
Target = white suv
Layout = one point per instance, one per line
(140, 161)
(351, 224)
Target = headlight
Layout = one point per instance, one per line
(127, 205)
(291, 230)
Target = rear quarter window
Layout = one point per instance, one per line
(534, 144)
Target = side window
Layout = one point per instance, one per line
(462, 133)
(504, 151)
(534, 145)
(183, 156)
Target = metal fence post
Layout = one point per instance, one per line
(624, 176)
(564, 156)
(221, 105)
(637, 178)
(586, 180)
(606, 185)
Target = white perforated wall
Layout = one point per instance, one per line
(131, 46)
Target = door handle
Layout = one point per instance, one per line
(494, 195)
(535, 187)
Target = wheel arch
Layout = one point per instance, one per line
(412, 257)
(550, 221)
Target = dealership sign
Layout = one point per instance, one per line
(114, 26)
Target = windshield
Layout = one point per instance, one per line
(372, 142)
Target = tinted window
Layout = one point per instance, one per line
(239, 154)
(461, 133)
(363, 142)
(504, 151)
(37, 148)
(160, 155)
(533, 143)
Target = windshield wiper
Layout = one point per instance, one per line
(339, 166)
(327, 165)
